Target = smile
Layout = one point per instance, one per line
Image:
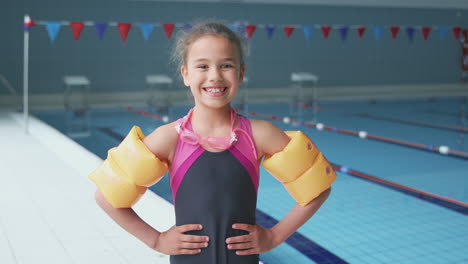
(215, 91)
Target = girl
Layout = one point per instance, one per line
(213, 156)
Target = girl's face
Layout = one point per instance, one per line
(213, 71)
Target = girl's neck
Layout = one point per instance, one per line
(208, 120)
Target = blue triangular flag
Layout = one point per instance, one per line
(410, 33)
(100, 29)
(378, 32)
(232, 27)
(344, 32)
(53, 29)
(146, 29)
(307, 32)
(270, 30)
(187, 27)
(241, 30)
(442, 32)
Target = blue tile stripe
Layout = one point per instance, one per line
(301, 243)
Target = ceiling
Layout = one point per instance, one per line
(440, 4)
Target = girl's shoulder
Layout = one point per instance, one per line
(269, 138)
(162, 141)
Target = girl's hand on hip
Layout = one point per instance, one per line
(258, 240)
(175, 242)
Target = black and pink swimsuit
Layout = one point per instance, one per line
(216, 190)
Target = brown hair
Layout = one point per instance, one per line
(207, 27)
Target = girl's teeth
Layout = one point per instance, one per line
(214, 90)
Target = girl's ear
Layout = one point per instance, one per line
(184, 73)
(241, 73)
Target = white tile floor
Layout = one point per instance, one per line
(47, 208)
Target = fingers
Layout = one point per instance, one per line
(239, 239)
(245, 227)
(247, 245)
(247, 252)
(195, 239)
(192, 238)
(187, 245)
(189, 251)
(176, 242)
(191, 227)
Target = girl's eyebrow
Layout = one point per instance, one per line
(204, 60)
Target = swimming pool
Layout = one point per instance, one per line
(412, 208)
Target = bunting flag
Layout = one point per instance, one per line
(326, 31)
(270, 29)
(344, 33)
(124, 28)
(307, 32)
(456, 32)
(378, 32)
(168, 28)
(250, 29)
(146, 29)
(100, 29)
(187, 27)
(361, 31)
(425, 32)
(53, 29)
(77, 28)
(247, 31)
(442, 32)
(288, 30)
(410, 33)
(394, 31)
(28, 22)
(232, 27)
(241, 30)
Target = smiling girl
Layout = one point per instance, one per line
(213, 155)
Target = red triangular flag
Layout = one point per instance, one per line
(77, 27)
(124, 28)
(250, 30)
(361, 31)
(394, 31)
(425, 32)
(29, 22)
(456, 32)
(326, 31)
(168, 28)
(288, 30)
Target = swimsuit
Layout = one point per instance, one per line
(216, 190)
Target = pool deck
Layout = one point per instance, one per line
(48, 213)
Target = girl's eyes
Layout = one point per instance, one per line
(223, 66)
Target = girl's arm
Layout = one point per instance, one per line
(130, 221)
(274, 140)
(172, 242)
(297, 217)
(269, 139)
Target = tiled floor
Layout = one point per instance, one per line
(48, 213)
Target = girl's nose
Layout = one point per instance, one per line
(215, 75)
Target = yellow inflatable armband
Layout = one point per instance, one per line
(301, 167)
(128, 170)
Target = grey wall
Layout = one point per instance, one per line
(114, 66)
